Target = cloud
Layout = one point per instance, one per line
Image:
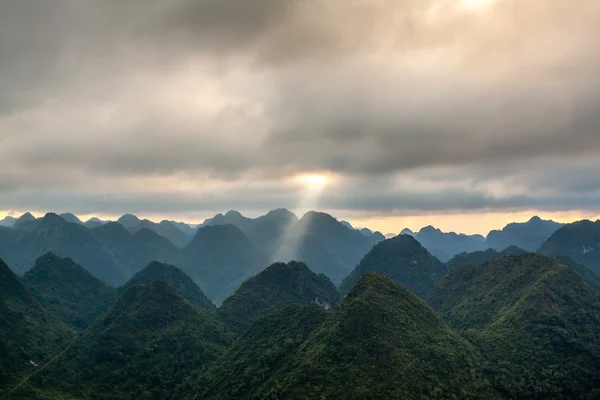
(418, 105)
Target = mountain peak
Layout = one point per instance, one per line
(157, 271)
(233, 214)
(276, 287)
(129, 220)
(404, 260)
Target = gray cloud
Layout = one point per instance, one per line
(487, 109)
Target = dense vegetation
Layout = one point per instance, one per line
(500, 325)
(402, 259)
(536, 321)
(68, 291)
(156, 271)
(479, 257)
(275, 288)
(28, 333)
(142, 349)
(244, 369)
(381, 342)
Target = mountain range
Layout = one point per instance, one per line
(494, 325)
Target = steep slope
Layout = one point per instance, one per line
(156, 271)
(250, 361)
(479, 257)
(134, 252)
(72, 218)
(580, 241)
(94, 223)
(27, 217)
(65, 239)
(8, 221)
(402, 259)
(346, 246)
(129, 221)
(27, 332)
(537, 322)
(68, 291)
(267, 231)
(276, 287)
(381, 342)
(165, 229)
(220, 258)
(589, 276)
(310, 251)
(148, 342)
(528, 235)
(445, 245)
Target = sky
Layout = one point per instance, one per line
(463, 114)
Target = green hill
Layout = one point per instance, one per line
(402, 259)
(27, 331)
(381, 342)
(275, 288)
(537, 322)
(69, 291)
(156, 271)
(144, 347)
(250, 361)
(479, 257)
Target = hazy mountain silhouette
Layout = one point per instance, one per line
(446, 245)
(527, 235)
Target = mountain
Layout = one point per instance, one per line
(132, 252)
(165, 229)
(407, 231)
(389, 235)
(479, 257)
(446, 245)
(27, 332)
(71, 218)
(52, 233)
(275, 288)
(94, 223)
(380, 342)
(311, 251)
(143, 348)
(536, 321)
(129, 221)
(402, 259)
(234, 218)
(580, 241)
(257, 354)
(68, 291)
(346, 246)
(183, 227)
(156, 271)
(267, 231)
(589, 276)
(25, 222)
(8, 221)
(219, 258)
(528, 235)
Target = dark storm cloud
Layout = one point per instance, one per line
(243, 91)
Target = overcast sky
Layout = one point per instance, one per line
(458, 113)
